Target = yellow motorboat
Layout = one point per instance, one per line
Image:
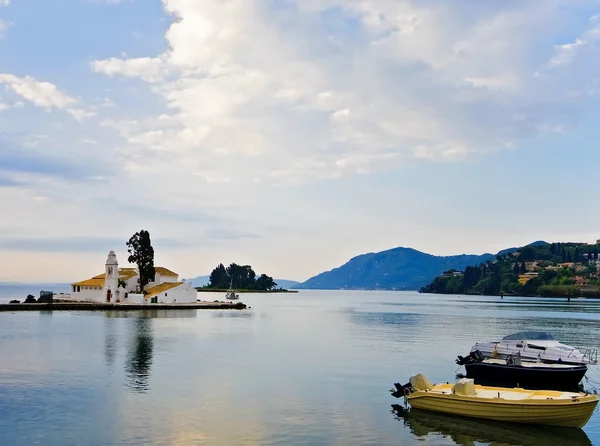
(516, 405)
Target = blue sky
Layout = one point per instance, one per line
(292, 135)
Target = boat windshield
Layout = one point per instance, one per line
(529, 336)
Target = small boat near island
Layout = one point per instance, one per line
(516, 405)
(513, 372)
(536, 346)
(231, 293)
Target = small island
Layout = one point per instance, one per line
(241, 278)
(540, 269)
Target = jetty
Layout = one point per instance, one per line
(107, 306)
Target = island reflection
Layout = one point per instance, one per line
(139, 357)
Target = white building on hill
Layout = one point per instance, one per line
(123, 285)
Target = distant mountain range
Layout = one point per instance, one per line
(394, 269)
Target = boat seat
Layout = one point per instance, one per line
(511, 395)
(464, 387)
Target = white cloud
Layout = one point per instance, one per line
(43, 94)
(80, 114)
(566, 53)
(4, 106)
(289, 92)
(4, 2)
(144, 67)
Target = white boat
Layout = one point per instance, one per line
(536, 346)
(231, 293)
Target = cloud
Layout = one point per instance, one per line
(33, 156)
(566, 53)
(8, 182)
(296, 90)
(252, 113)
(70, 244)
(4, 2)
(150, 69)
(43, 94)
(80, 114)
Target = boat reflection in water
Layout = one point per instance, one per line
(468, 431)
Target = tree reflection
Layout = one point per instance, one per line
(110, 341)
(139, 358)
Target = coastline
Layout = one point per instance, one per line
(224, 290)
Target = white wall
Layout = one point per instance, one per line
(184, 293)
(88, 294)
(132, 283)
(133, 298)
(161, 278)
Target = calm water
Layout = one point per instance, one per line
(312, 368)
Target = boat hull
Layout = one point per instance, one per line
(526, 377)
(566, 413)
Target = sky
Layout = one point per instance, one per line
(292, 135)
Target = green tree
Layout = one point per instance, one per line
(264, 282)
(527, 254)
(516, 268)
(219, 277)
(141, 253)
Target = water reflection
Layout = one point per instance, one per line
(468, 431)
(152, 313)
(110, 342)
(233, 313)
(139, 358)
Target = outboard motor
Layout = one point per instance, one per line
(401, 390)
(475, 356)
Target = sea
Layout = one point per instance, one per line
(306, 368)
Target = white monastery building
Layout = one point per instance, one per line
(123, 285)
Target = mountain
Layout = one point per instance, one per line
(511, 250)
(538, 269)
(394, 269)
(286, 284)
(199, 281)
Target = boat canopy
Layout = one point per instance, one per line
(529, 336)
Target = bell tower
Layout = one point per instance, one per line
(111, 277)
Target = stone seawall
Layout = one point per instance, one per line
(91, 306)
